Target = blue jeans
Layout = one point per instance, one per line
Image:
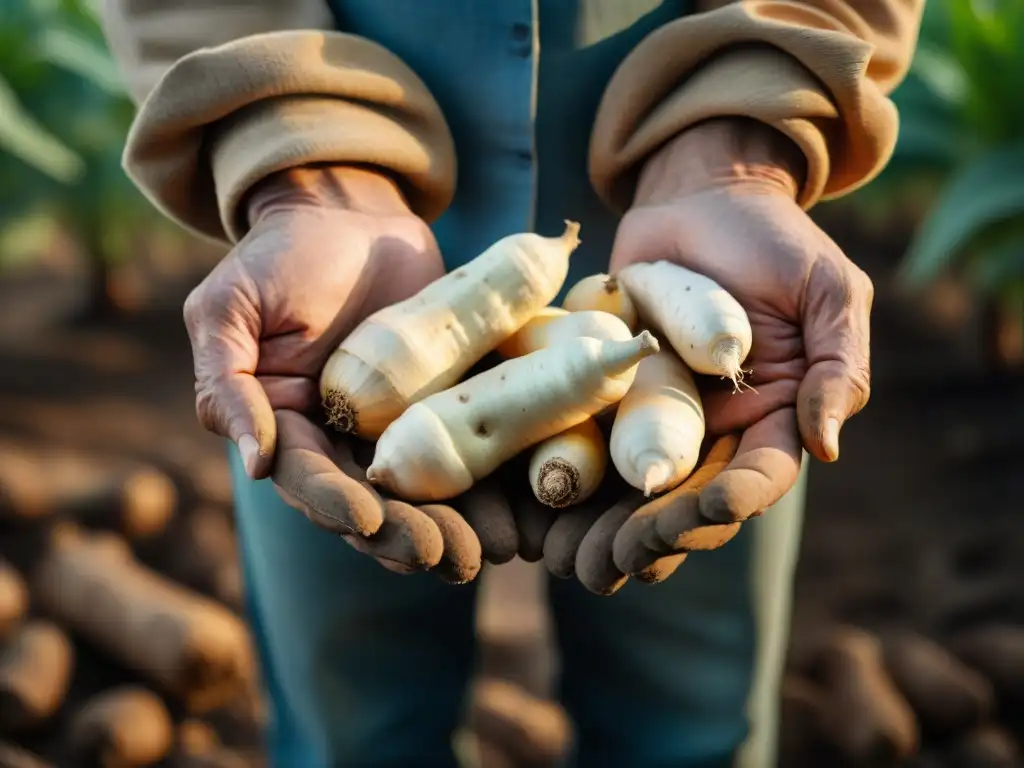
(368, 668)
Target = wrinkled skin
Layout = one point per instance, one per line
(720, 200)
(325, 248)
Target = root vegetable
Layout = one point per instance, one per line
(568, 468)
(421, 346)
(987, 746)
(659, 425)
(192, 647)
(556, 326)
(801, 741)
(947, 696)
(442, 445)
(13, 599)
(35, 672)
(532, 730)
(200, 552)
(602, 292)
(135, 499)
(705, 325)
(126, 726)
(997, 652)
(13, 756)
(865, 716)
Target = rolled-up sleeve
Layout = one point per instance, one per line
(230, 93)
(820, 71)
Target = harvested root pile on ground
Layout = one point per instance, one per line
(902, 699)
(121, 643)
(509, 727)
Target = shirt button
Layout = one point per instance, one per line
(520, 32)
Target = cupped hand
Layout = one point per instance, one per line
(614, 536)
(326, 247)
(720, 200)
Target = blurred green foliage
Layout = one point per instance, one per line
(960, 154)
(63, 119)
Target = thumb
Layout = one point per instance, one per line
(837, 312)
(224, 328)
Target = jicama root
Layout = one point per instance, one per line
(556, 326)
(865, 717)
(659, 425)
(569, 467)
(947, 695)
(442, 445)
(200, 551)
(192, 647)
(35, 672)
(987, 746)
(532, 730)
(13, 756)
(416, 348)
(134, 499)
(602, 292)
(705, 325)
(199, 746)
(801, 741)
(997, 652)
(13, 599)
(125, 726)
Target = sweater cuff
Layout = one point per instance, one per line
(795, 73)
(222, 119)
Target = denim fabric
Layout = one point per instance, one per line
(367, 668)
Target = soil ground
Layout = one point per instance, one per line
(918, 525)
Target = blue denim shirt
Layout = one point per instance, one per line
(519, 82)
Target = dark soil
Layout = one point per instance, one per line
(918, 525)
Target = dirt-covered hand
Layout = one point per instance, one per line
(603, 543)
(324, 478)
(325, 248)
(720, 199)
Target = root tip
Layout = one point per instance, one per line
(649, 341)
(659, 471)
(340, 413)
(558, 483)
(571, 236)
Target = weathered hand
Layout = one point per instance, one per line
(720, 200)
(325, 248)
(605, 542)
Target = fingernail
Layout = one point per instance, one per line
(250, 450)
(830, 438)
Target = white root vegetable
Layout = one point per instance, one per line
(555, 326)
(705, 325)
(423, 345)
(659, 425)
(443, 444)
(602, 292)
(568, 468)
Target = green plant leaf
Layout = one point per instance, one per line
(997, 267)
(72, 50)
(984, 193)
(24, 137)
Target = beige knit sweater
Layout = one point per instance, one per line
(232, 92)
